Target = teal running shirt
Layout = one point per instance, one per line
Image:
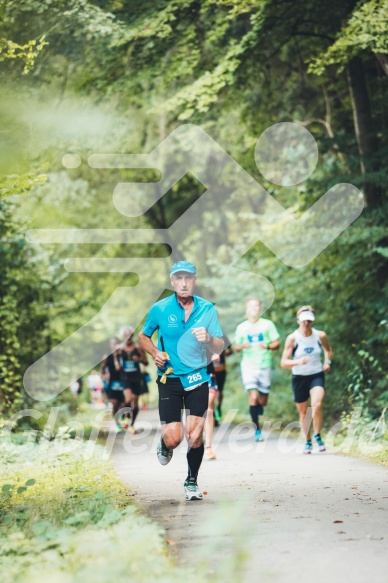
(188, 357)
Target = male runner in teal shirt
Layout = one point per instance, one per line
(188, 331)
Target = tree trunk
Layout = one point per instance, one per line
(364, 128)
(383, 60)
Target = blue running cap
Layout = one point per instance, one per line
(183, 266)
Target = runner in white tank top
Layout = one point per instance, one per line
(310, 346)
(303, 354)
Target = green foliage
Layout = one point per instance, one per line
(9, 489)
(60, 503)
(27, 52)
(366, 31)
(368, 385)
(117, 76)
(74, 522)
(20, 290)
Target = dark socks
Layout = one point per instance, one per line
(194, 460)
(135, 411)
(255, 411)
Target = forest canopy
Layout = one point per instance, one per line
(118, 77)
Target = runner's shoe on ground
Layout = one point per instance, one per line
(210, 454)
(132, 430)
(321, 445)
(163, 453)
(258, 436)
(308, 446)
(191, 490)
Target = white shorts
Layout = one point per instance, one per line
(256, 378)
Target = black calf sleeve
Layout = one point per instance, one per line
(255, 411)
(135, 411)
(194, 460)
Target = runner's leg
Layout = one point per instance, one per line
(209, 425)
(128, 397)
(170, 414)
(115, 406)
(194, 431)
(135, 408)
(304, 419)
(317, 395)
(255, 408)
(220, 378)
(172, 434)
(196, 404)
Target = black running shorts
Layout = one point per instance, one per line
(302, 385)
(115, 390)
(133, 382)
(173, 398)
(221, 376)
(116, 395)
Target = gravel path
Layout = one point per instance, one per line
(320, 518)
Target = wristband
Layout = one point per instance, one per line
(208, 342)
(327, 361)
(268, 347)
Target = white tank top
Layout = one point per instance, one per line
(307, 346)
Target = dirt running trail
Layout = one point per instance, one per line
(319, 517)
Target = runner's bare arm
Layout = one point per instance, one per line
(286, 361)
(103, 364)
(239, 347)
(143, 356)
(327, 351)
(271, 346)
(146, 344)
(116, 361)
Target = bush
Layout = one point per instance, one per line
(66, 517)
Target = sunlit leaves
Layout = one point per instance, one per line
(28, 52)
(366, 31)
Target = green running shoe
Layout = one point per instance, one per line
(192, 491)
(163, 453)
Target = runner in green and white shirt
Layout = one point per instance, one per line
(256, 338)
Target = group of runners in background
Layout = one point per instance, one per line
(123, 378)
(191, 341)
(190, 358)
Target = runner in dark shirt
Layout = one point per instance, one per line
(131, 357)
(111, 365)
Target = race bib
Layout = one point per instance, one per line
(194, 379)
(116, 386)
(129, 366)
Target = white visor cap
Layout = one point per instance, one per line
(306, 315)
